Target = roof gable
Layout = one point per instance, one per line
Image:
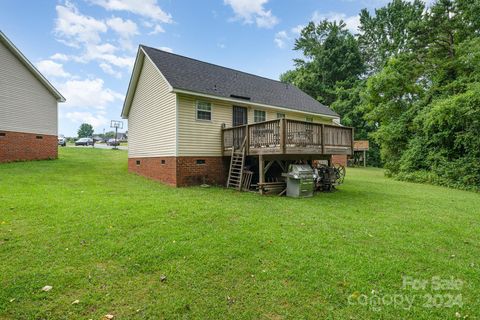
(201, 77)
(19, 55)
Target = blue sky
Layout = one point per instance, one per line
(86, 48)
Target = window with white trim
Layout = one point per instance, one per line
(280, 115)
(204, 111)
(259, 116)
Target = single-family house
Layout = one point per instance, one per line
(192, 122)
(28, 108)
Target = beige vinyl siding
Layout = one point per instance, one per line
(201, 137)
(204, 138)
(271, 114)
(152, 118)
(26, 105)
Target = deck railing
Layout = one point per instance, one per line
(286, 136)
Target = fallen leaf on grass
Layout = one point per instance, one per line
(76, 302)
(47, 288)
(108, 316)
(163, 278)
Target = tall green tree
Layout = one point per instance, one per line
(85, 130)
(392, 30)
(331, 55)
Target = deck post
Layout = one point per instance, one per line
(323, 138)
(261, 173)
(247, 141)
(353, 135)
(364, 158)
(283, 129)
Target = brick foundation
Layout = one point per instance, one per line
(181, 171)
(339, 159)
(21, 146)
(158, 168)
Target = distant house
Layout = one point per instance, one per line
(192, 122)
(28, 108)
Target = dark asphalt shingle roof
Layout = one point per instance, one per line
(202, 77)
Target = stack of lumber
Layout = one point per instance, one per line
(272, 187)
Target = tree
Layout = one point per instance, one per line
(109, 135)
(85, 130)
(391, 31)
(332, 56)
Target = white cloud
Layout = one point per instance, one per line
(87, 102)
(84, 32)
(52, 69)
(59, 57)
(167, 49)
(88, 94)
(253, 11)
(352, 22)
(125, 28)
(76, 28)
(298, 29)
(146, 8)
(284, 37)
(109, 70)
(281, 38)
(97, 120)
(158, 29)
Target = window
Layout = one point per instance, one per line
(39, 137)
(280, 115)
(2, 134)
(162, 161)
(200, 161)
(137, 162)
(309, 119)
(204, 111)
(258, 116)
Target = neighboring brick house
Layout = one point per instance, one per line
(28, 108)
(180, 111)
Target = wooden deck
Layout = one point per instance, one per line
(289, 137)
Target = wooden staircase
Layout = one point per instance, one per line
(237, 164)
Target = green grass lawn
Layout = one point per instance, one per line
(105, 237)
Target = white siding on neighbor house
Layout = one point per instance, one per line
(152, 117)
(26, 105)
(204, 138)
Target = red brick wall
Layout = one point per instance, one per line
(339, 159)
(212, 172)
(156, 169)
(21, 146)
(181, 171)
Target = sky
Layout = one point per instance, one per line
(87, 48)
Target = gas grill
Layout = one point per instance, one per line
(300, 180)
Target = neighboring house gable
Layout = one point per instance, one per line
(28, 108)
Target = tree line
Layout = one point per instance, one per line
(409, 81)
